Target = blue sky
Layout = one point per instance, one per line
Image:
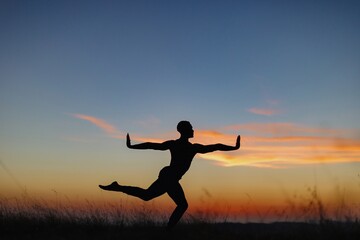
(207, 61)
(142, 66)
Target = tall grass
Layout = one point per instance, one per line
(86, 212)
(311, 208)
(29, 218)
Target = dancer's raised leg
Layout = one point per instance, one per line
(114, 186)
(156, 189)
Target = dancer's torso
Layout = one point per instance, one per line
(182, 154)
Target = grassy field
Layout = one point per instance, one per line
(36, 219)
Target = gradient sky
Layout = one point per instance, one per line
(76, 76)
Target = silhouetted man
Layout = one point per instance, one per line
(182, 153)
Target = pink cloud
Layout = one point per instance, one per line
(284, 128)
(102, 124)
(110, 130)
(264, 111)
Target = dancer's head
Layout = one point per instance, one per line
(185, 129)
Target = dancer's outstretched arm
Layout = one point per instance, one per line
(217, 147)
(148, 145)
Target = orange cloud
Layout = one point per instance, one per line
(284, 151)
(264, 111)
(284, 128)
(109, 129)
(269, 145)
(105, 126)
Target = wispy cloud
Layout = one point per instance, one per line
(281, 145)
(284, 128)
(270, 110)
(266, 145)
(280, 152)
(109, 129)
(264, 111)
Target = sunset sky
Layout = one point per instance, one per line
(76, 76)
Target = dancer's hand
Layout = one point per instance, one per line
(128, 141)
(237, 145)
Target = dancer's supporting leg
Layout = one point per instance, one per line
(176, 192)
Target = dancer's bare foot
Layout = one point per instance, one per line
(112, 187)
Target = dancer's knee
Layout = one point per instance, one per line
(183, 206)
(147, 196)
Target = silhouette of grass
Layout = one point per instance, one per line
(27, 218)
